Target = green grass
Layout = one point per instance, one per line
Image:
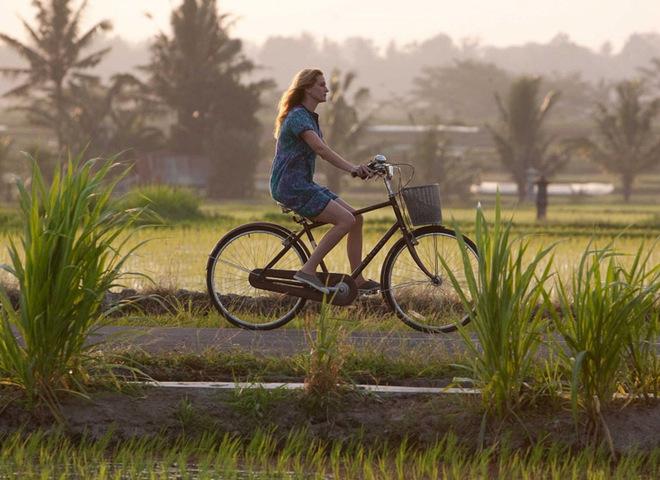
(169, 203)
(608, 319)
(368, 363)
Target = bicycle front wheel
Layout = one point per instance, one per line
(228, 268)
(428, 304)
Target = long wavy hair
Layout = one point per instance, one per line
(304, 79)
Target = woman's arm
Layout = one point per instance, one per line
(326, 153)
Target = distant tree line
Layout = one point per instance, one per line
(199, 91)
(517, 93)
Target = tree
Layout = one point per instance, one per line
(462, 91)
(6, 144)
(344, 126)
(109, 119)
(578, 97)
(55, 55)
(520, 142)
(197, 72)
(651, 75)
(439, 163)
(626, 143)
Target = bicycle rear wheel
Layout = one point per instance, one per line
(428, 304)
(228, 268)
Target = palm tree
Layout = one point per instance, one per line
(343, 126)
(521, 143)
(54, 54)
(626, 142)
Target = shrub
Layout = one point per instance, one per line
(168, 202)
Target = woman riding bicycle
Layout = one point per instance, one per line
(299, 141)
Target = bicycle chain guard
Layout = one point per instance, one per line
(344, 288)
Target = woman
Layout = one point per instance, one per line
(299, 141)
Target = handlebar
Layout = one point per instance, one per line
(379, 166)
(385, 170)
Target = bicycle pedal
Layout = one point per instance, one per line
(372, 291)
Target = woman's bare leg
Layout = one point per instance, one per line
(339, 213)
(354, 241)
(343, 220)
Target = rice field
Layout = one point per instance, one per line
(175, 256)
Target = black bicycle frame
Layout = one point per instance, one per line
(400, 224)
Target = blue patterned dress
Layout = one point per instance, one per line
(292, 172)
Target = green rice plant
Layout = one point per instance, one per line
(52, 455)
(507, 316)
(69, 257)
(608, 304)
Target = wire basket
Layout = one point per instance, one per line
(423, 204)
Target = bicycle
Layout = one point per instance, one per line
(250, 270)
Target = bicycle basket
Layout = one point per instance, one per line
(423, 204)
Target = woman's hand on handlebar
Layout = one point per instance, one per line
(363, 171)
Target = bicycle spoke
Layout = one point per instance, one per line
(234, 258)
(427, 304)
(234, 265)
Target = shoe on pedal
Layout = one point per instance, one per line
(370, 286)
(311, 280)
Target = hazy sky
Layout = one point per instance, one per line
(495, 22)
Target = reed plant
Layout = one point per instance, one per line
(68, 256)
(324, 369)
(506, 315)
(607, 317)
(641, 350)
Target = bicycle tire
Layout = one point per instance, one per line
(425, 304)
(239, 252)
